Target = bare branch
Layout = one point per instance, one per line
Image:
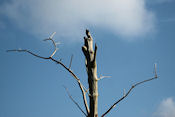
(52, 35)
(55, 45)
(155, 70)
(124, 92)
(75, 101)
(125, 95)
(102, 77)
(70, 61)
(59, 62)
(70, 71)
(28, 52)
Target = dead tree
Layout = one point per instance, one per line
(91, 68)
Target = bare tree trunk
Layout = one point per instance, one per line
(91, 67)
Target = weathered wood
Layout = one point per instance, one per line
(91, 68)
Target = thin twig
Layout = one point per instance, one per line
(59, 62)
(155, 70)
(75, 101)
(102, 77)
(50, 38)
(70, 61)
(78, 81)
(125, 95)
(28, 52)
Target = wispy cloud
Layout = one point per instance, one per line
(127, 18)
(166, 108)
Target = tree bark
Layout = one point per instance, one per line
(91, 68)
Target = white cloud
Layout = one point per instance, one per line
(166, 108)
(127, 18)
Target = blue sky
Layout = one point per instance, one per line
(131, 36)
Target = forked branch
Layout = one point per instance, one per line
(50, 38)
(125, 95)
(75, 101)
(58, 62)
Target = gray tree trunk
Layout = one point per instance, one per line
(91, 68)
